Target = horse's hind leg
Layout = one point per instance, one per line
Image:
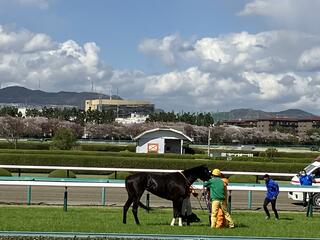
(135, 211)
(125, 209)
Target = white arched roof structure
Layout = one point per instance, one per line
(161, 140)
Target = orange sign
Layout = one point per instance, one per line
(153, 147)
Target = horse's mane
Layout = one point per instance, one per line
(194, 169)
(193, 173)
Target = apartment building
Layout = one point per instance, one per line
(267, 125)
(122, 108)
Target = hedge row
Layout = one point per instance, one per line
(310, 155)
(47, 156)
(131, 148)
(97, 153)
(25, 145)
(270, 160)
(61, 238)
(5, 173)
(107, 147)
(84, 147)
(157, 156)
(135, 162)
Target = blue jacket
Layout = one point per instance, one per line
(305, 180)
(272, 189)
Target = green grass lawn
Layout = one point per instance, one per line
(109, 220)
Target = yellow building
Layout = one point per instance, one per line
(123, 108)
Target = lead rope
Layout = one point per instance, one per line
(192, 189)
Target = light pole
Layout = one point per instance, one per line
(209, 138)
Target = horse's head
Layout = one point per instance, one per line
(206, 174)
(202, 172)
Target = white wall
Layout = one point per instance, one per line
(142, 146)
(157, 137)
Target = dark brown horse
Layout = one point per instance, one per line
(171, 186)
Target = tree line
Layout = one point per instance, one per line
(198, 119)
(95, 116)
(75, 115)
(97, 125)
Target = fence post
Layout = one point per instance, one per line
(28, 195)
(229, 201)
(65, 199)
(310, 206)
(103, 196)
(249, 199)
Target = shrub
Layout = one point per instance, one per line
(271, 152)
(5, 173)
(262, 154)
(62, 174)
(64, 139)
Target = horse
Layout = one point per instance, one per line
(172, 186)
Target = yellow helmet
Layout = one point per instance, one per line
(216, 172)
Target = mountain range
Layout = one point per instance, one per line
(248, 114)
(27, 97)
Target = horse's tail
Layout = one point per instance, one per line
(144, 206)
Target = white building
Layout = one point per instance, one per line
(23, 111)
(134, 118)
(161, 140)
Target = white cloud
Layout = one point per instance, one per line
(268, 7)
(268, 70)
(310, 59)
(38, 42)
(27, 58)
(170, 50)
(294, 14)
(212, 49)
(41, 4)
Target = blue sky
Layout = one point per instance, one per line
(118, 26)
(181, 54)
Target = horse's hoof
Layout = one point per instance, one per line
(172, 222)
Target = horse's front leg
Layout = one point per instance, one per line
(177, 205)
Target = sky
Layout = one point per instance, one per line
(181, 55)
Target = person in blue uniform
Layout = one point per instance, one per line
(271, 196)
(305, 180)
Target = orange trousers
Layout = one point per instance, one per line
(221, 221)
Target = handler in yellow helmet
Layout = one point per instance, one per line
(217, 197)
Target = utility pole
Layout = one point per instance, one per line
(110, 93)
(209, 139)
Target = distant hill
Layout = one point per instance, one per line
(27, 97)
(246, 114)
